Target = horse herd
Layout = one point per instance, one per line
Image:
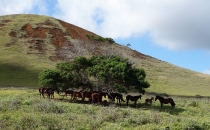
(96, 96)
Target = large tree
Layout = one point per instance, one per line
(106, 73)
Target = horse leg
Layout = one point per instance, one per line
(127, 102)
(161, 105)
(43, 95)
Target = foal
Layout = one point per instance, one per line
(149, 101)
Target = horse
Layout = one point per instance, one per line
(149, 101)
(41, 91)
(165, 101)
(76, 95)
(132, 98)
(70, 92)
(118, 96)
(98, 96)
(48, 91)
(87, 95)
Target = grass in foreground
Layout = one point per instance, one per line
(24, 109)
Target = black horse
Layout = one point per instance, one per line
(165, 101)
(118, 96)
(132, 98)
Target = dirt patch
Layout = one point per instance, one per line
(5, 21)
(1, 25)
(38, 32)
(2, 22)
(76, 32)
(13, 34)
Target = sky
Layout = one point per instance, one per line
(175, 31)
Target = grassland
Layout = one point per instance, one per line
(23, 109)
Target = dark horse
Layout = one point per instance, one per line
(48, 91)
(132, 98)
(118, 96)
(165, 101)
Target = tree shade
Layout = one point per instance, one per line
(98, 72)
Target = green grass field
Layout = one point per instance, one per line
(24, 109)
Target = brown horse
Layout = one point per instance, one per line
(149, 101)
(69, 92)
(118, 96)
(86, 94)
(98, 97)
(76, 95)
(132, 98)
(165, 101)
(48, 91)
(41, 91)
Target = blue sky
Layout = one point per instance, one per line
(175, 31)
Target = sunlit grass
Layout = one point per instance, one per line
(24, 109)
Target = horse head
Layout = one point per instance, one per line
(156, 98)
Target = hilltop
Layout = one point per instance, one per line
(30, 43)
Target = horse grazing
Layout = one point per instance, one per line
(165, 101)
(132, 98)
(118, 96)
(149, 100)
(98, 97)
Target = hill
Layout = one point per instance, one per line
(30, 43)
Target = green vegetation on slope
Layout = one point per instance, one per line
(18, 68)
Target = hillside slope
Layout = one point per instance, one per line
(30, 43)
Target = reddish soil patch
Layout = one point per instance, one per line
(5, 21)
(13, 34)
(38, 32)
(2, 22)
(1, 25)
(76, 32)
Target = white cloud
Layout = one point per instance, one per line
(207, 71)
(176, 25)
(22, 7)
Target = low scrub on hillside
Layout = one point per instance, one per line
(24, 109)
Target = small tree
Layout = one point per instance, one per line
(49, 78)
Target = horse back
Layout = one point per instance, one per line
(77, 94)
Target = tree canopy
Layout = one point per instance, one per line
(96, 73)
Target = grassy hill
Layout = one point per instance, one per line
(30, 43)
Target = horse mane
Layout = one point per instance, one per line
(160, 97)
